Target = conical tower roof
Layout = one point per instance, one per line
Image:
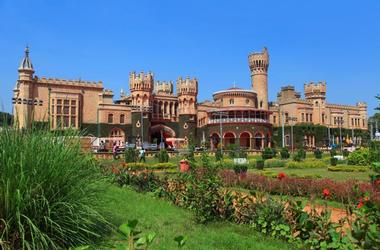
(26, 63)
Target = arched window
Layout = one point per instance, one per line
(232, 101)
(122, 118)
(261, 104)
(110, 118)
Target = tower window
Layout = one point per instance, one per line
(232, 101)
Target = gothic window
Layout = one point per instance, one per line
(232, 101)
(311, 117)
(302, 117)
(307, 117)
(323, 118)
(122, 118)
(261, 104)
(274, 119)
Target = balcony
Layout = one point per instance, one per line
(238, 120)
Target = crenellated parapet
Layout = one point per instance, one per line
(259, 62)
(315, 90)
(141, 82)
(187, 86)
(79, 83)
(163, 87)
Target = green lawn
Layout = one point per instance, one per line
(323, 172)
(168, 221)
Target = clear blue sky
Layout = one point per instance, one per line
(336, 41)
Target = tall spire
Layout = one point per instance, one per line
(26, 63)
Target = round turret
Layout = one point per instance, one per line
(258, 65)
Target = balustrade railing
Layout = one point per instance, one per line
(233, 120)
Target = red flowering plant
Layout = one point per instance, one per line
(326, 193)
(281, 176)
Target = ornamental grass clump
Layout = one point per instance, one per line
(48, 192)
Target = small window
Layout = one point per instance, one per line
(232, 101)
(311, 117)
(122, 117)
(261, 104)
(303, 117)
(247, 101)
(110, 118)
(274, 119)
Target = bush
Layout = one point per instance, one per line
(218, 155)
(333, 161)
(359, 157)
(333, 152)
(267, 154)
(240, 168)
(284, 153)
(48, 192)
(306, 164)
(162, 156)
(346, 153)
(297, 157)
(131, 155)
(346, 168)
(301, 153)
(260, 164)
(318, 153)
(274, 152)
(274, 163)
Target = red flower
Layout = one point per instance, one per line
(360, 204)
(281, 176)
(378, 182)
(326, 192)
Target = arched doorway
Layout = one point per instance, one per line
(159, 133)
(245, 140)
(229, 139)
(215, 140)
(259, 141)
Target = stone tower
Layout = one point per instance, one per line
(23, 93)
(187, 91)
(141, 87)
(316, 94)
(258, 64)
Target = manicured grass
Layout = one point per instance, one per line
(168, 221)
(323, 172)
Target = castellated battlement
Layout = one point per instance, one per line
(315, 90)
(141, 82)
(107, 92)
(65, 82)
(187, 86)
(165, 87)
(259, 61)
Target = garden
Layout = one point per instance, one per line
(55, 196)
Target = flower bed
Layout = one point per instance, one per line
(346, 191)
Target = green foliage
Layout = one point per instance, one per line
(318, 153)
(333, 152)
(274, 163)
(333, 161)
(260, 164)
(131, 155)
(274, 152)
(346, 153)
(162, 156)
(232, 151)
(205, 159)
(181, 240)
(284, 153)
(346, 168)
(218, 154)
(240, 168)
(133, 237)
(141, 182)
(267, 154)
(306, 164)
(48, 192)
(359, 157)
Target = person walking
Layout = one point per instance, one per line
(114, 150)
(142, 155)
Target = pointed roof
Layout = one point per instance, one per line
(26, 63)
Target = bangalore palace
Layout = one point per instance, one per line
(153, 111)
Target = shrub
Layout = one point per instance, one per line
(301, 153)
(333, 161)
(260, 164)
(162, 156)
(131, 155)
(346, 153)
(297, 157)
(274, 152)
(359, 157)
(342, 168)
(164, 165)
(48, 192)
(218, 155)
(284, 153)
(318, 153)
(274, 163)
(232, 151)
(306, 164)
(240, 168)
(267, 153)
(333, 152)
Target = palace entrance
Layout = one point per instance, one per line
(159, 133)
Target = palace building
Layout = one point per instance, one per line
(154, 112)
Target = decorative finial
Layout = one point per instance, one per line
(27, 51)
(234, 84)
